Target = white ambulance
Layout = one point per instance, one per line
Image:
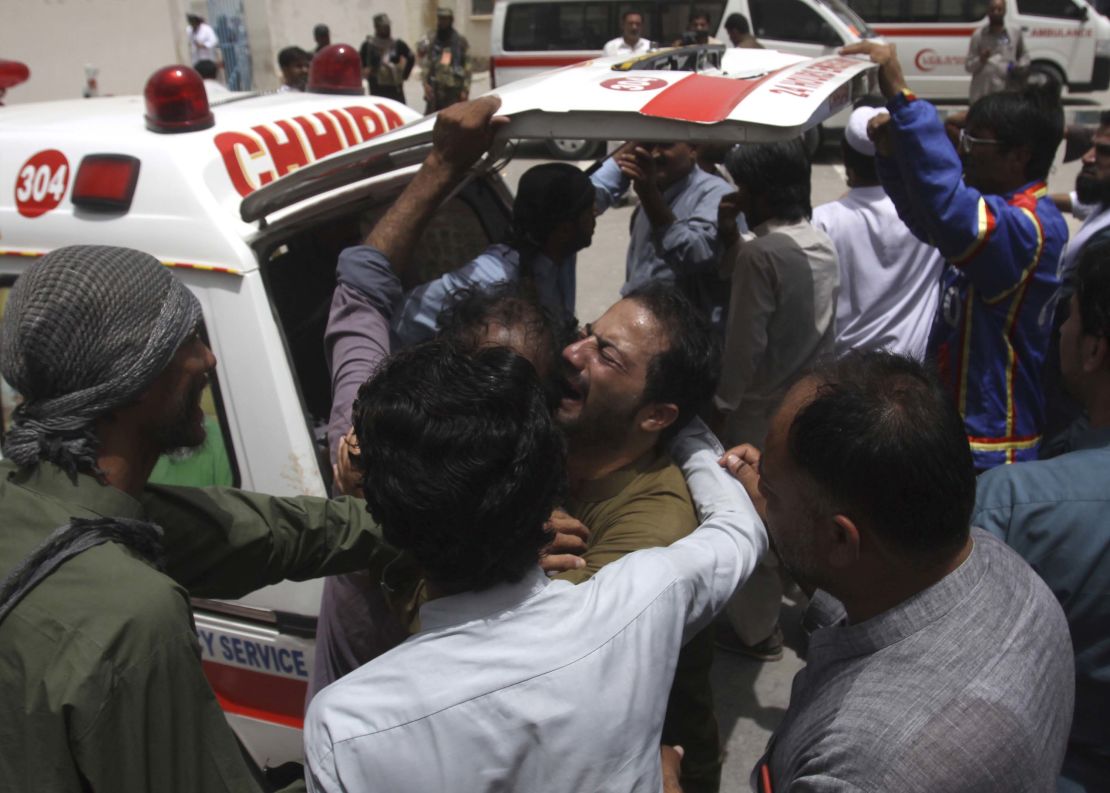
(250, 199)
(1067, 39)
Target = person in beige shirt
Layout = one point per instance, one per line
(996, 55)
(781, 320)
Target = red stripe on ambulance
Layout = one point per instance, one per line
(258, 695)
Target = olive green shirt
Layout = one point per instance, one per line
(647, 505)
(100, 678)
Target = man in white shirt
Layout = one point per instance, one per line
(889, 280)
(204, 44)
(510, 684)
(629, 42)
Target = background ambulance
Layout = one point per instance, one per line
(1068, 39)
(251, 199)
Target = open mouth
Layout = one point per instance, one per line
(573, 391)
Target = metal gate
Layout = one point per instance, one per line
(229, 22)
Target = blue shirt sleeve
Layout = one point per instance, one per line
(993, 242)
(609, 185)
(418, 318)
(689, 245)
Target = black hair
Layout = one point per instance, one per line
(779, 172)
(1092, 289)
(869, 100)
(290, 55)
(687, 372)
(888, 448)
(738, 22)
(1018, 119)
(207, 68)
(700, 15)
(462, 463)
(862, 164)
(547, 195)
(466, 318)
(637, 12)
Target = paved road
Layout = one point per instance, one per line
(751, 697)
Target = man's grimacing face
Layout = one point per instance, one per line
(606, 372)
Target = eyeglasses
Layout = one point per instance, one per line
(967, 141)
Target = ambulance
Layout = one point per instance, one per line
(250, 199)
(1066, 39)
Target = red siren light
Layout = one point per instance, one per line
(336, 69)
(12, 73)
(176, 101)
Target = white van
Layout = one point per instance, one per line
(251, 207)
(1066, 38)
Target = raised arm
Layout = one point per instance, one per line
(462, 134)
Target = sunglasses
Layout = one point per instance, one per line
(967, 141)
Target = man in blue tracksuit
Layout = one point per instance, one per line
(1002, 239)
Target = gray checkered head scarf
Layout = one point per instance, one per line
(86, 330)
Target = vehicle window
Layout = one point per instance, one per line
(674, 19)
(962, 10)
(920, 10)
(1059, 9)
(789, 20)
(561, 26)
(849, 17)
(300, 277)
(481, 8)
(210, 464)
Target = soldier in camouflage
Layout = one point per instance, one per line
(446, 64)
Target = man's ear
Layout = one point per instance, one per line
(657, 416)
(843, 538)
(1096, 349)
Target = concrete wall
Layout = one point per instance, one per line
(291, 22)
(126, 39)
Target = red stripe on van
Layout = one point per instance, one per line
(937, 31)
(550, 61)
(700, 97)
(257, 695)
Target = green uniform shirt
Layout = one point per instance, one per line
(100, 677)
(647, 505)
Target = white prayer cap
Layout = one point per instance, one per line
(856, 131)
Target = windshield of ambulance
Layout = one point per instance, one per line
(849, 17)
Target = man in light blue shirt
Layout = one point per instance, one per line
(1056, 514)
(553, 219)
(674, 230)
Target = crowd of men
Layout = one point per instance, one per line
(542, 524)
(387, 61)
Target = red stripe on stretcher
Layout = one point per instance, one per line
(257, 695)
(700, 97)
(895, 32)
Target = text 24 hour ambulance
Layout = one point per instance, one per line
(251, 200)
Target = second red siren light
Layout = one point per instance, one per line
(336, 69)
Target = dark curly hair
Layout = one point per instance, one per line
(462, 464)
